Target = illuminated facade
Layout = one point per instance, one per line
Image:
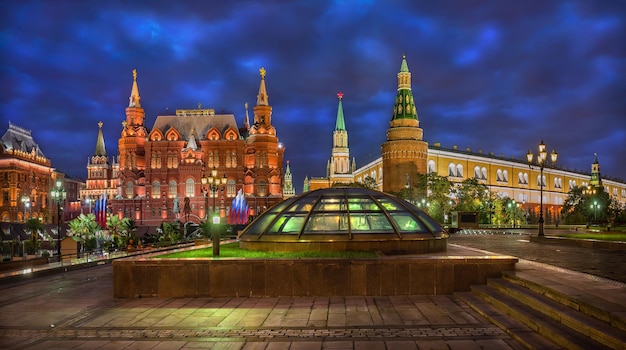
(26, 177)
(404, 152)
(339, 168)
(102, 175)
(405, 155)
(161, 168)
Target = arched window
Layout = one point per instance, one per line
(526, 178)
(156, 189)
(451, 170)
(506, 176)
(477, 174)
(172, 189)
(261, 188)
(129, 189)
(190, 188)
(484, 173)
(231, 189)
(432, 168)
(459, 170)
(499, 176)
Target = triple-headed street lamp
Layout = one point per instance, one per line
(541, 162)
(212, 183)
(26, 202)
(514, 207)
(58, 194)
(595, 207)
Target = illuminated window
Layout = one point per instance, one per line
(172, 189)
(156, 189)
(129, 189)
(231, 190)
(190, 188)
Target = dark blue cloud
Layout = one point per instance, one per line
(486, 76)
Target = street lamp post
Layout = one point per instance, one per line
(595, 207)
(541, 162)
(58, 194)
(89, 200)
(513, 208)
(212, 183)
(26, 201)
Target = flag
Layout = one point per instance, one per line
(100, 211)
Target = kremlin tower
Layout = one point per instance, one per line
(404, 154)
(339, 167)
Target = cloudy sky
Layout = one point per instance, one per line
(497, 76)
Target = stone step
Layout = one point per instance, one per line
(545, 326)
(587, 325)
(612, 312)
(528, 338)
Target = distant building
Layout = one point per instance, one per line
(102, 175)
(288, 190)
(26, 177)
(339, 168)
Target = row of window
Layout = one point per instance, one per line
(456, 170)
(190, 189)
(523, 198)
(372, 175)
(213, 135)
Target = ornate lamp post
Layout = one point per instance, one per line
(513, 207)
(595, 207)
(26, 202)
(212, 183)
(58, 194)
(541, 162)
(89, 201)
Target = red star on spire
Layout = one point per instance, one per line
(340, 95)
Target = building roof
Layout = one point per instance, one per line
(20, 139)
(199, 125)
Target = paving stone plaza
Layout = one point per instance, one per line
(76, 310)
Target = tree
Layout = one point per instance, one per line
(582, 206)
(84, 227)
(34, 227)
(431, 192)
(122, 230)
(368, 182)
(169, 233)
(472, 195)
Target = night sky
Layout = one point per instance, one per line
(497, 76)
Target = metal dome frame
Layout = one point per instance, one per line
(345, 218)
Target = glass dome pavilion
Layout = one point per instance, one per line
(345, 219)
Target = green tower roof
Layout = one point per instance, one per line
(404, 108)
(340, 124)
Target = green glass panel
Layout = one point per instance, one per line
(370, 222)
(360, 204)
(288, 224)
(303, 205)
(262, 222)
(326, 223)
(389, 205)
(330, 204)
(407, 223)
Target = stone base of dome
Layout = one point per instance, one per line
(404, 246)
(440, 273)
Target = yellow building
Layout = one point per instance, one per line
(507, 177)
